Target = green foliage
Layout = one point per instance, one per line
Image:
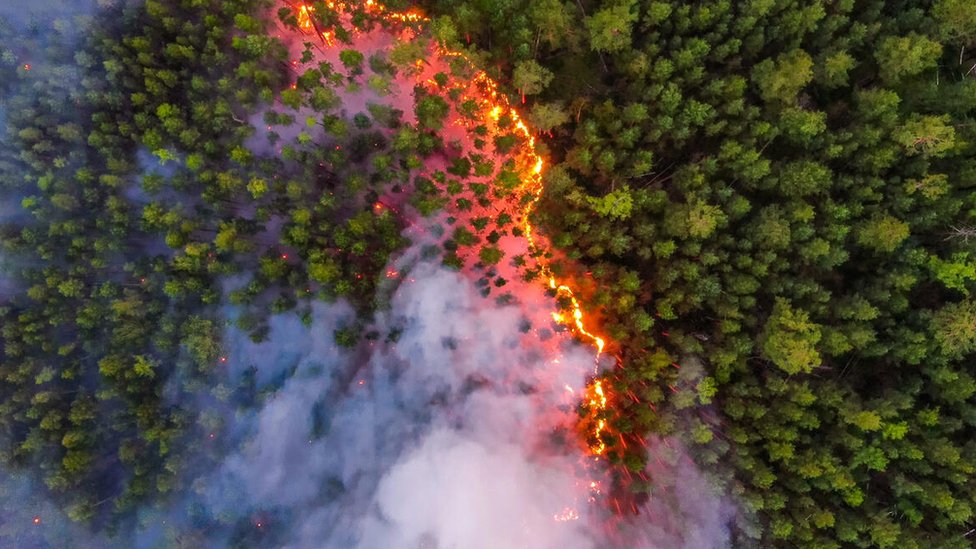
(352, 60)
(111, 329)
(610, 28)
(906, 56)
(955, 18)
(406, 55)
(790, 340)
(883, 233)
(954, 328)
(956, 273)
(490, 255)
(781, 191)
(530, 77)
(201, 340)
(782, 78)
(431, 111)
(926, 135)
(616, 204)
(799, 218)
(107, 322)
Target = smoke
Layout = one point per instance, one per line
(40, 34)
(457, 432)
(483, 495)
(33, 12)
(451, 426)
(426, 438)
(686, 509)
(444, 436)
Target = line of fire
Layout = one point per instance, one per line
(604, 448)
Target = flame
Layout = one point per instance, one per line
(306, 24)
(595, 395)
(597, 400)
(305, 17)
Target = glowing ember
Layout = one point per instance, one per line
(597, 400)
(304, 18)
(533, 186)
(37, 519)
(567, 515)
(306, 23)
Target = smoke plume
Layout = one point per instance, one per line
(440, 439)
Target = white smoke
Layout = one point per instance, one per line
(442, 422)
(455, 491)
(439, 440)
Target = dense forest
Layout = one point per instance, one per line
(783, 190)
(140, 201)
(769, 205)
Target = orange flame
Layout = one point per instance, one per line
(595, 394)
(305, 17)
(369, 6)
(533, 185)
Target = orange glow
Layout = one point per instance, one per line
(597, 399)
(37, 520)
(369, 6)
(304, 18)
(532, 186)
(531, 168)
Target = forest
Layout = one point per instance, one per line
(768, 205)
(784, 190)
